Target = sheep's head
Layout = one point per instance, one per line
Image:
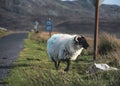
(81, 41)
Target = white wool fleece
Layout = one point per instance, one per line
(58, 43)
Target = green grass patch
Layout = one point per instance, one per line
(33, 68)
(3, 33)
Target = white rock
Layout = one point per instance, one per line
(101, 66)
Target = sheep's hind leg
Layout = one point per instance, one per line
(68, 64)
(58, 64)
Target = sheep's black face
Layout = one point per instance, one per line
(81, 41)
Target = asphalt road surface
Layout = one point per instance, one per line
(10, 46)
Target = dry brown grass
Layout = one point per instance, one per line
(108, 43)
(109, 47)
(40, 36)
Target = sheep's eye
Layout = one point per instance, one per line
(81, 41)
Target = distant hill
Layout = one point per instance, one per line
(70, 17)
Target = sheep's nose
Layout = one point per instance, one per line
(86, 46)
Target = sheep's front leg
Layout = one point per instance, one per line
(68, 64)
(58, 64)
(55, 63)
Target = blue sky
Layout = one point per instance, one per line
(112, 2)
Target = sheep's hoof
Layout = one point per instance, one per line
(57, 68)
(66, 69)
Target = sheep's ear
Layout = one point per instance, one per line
(81, 35)
(77, 38)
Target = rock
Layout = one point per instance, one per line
(4, 29)
(100, 67)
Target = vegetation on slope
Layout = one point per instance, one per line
(33, 68)
(2, 32)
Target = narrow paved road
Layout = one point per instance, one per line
(10, 46)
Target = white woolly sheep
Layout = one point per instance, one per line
(65, 47)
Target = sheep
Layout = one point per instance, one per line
(65, 47)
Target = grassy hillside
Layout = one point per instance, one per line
(33, 68)
(69, 17)
(1, 33)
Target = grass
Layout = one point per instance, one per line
(33, 68)
(108, 43)
(3, 33)
(109, 48)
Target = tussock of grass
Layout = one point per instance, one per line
(113, 58)
(2, 33)
(109, 47)
(33, 68)
(41, 36)
(108, 43)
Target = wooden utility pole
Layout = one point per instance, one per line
(97, 7)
